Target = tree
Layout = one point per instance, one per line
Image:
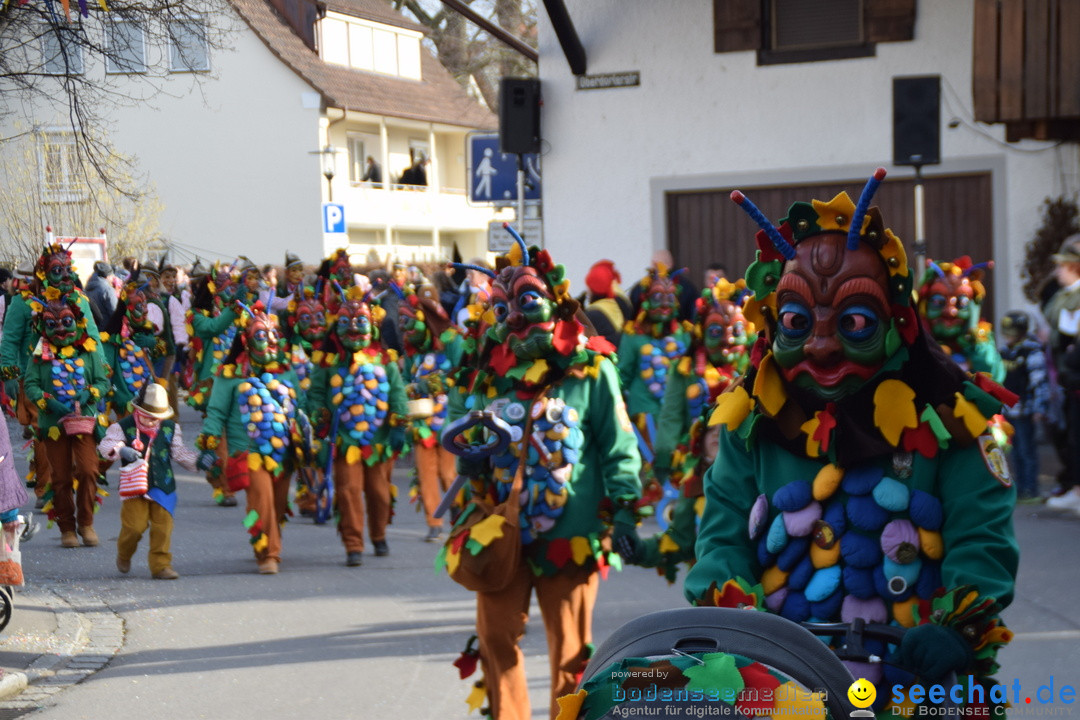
(1059, 222)
(64, 65)
(470, 53)
(42, 191)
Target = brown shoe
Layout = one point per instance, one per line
(166, 574)
(89, 537)
(123, 565)
(69, 539)
(269, 566)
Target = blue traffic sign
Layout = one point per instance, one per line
(333, 218)
(493, 174)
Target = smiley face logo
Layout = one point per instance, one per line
(862, 693)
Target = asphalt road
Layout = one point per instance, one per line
(321, 640)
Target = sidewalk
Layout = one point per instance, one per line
(54, 640)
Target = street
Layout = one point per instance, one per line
(321, 640)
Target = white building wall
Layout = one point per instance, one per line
(705, 120)
(231, 156)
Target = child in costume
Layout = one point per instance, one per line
(581, 474)
(250, 427)
(855, 477)
(685, 447)
(65, 378)
(950, 298)
(650, 344)
(362, 414)
(433, 349)
(1025, 375)
(148, 432)
(212, 326)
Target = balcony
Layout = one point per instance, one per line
(406, 207)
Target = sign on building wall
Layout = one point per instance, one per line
(493, 175)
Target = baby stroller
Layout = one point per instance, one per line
(720, 662)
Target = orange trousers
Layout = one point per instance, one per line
(566, 603)
(436, 469)
(73, 457)
(268, 496)
(27, 414)
(352, 483)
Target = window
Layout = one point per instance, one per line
(801, 25)
(408, 52)
(189, 51)
(357, 158)
(126, 50)
(385, 52)
(61, 51)
(59, 168)
(335, 41)
(361, 53)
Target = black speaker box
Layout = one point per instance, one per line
(917, 120)
(519, 115)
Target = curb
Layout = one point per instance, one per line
(89, 633)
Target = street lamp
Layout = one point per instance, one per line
(329, 169)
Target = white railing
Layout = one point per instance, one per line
(411, 207)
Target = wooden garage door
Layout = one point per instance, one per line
(706, 226)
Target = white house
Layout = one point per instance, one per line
(787, 101)
(236, 138)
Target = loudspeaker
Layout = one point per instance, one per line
(917, 120)
(519, 115)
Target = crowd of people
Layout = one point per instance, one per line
(821, 438)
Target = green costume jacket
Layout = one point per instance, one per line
(130, 373)
(225, 414)
(421, 372)
(207, 328)
(64, 378)
(645, 365)
(19, 338)
(369, 398)
(590, 471)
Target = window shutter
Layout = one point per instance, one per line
(737, 25)
(889, 20)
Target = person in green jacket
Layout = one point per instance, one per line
(432, 351)
(66, 379)
(361, 411)
(950, 298)
(650, 346)
(684, 447)
(211, 325)
(53, 269)
(127, 340)
(305, 328)
(855, 478)
(251, 428)
(580, 477)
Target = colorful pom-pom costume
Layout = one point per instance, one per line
(855, 477)
(535, 362)
(361, 414)
(432, 350)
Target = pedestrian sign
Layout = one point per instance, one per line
(333, 218)
(493, 174)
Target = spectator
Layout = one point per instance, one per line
(269, 273)
(415, 174)
(372, 173)
(1025, 375)
(129, 265)
(1062, 312)
(715, 271)
(101, 293)
(606, 306)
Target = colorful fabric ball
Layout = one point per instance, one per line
(655, 360)
(267, 410)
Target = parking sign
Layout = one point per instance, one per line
(333, 218)
(493, 174)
